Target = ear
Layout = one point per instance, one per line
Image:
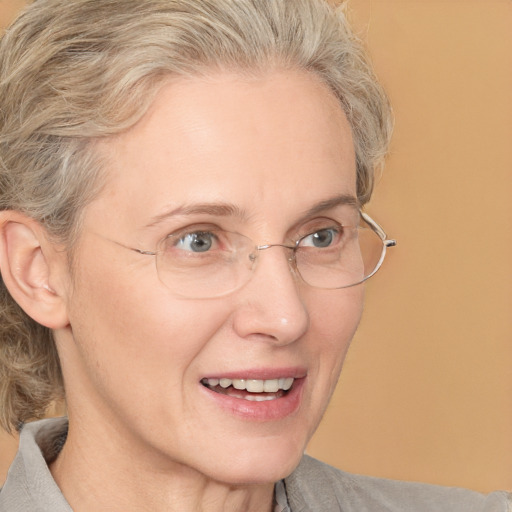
(29, 264)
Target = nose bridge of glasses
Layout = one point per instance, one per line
(254, 254)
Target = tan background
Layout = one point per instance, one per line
(426, 393)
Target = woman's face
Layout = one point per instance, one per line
(261, 157)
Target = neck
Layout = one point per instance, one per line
(86, 475)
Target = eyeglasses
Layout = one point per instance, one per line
(206, 262)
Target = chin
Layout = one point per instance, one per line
(257, 466)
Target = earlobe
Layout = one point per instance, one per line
(26, 263)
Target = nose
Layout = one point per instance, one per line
(270, 306)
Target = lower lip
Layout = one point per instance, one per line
(269, 410)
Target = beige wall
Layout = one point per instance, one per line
(9, 9)
(426, 391)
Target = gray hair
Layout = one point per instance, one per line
(74, 71)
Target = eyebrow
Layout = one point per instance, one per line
(215, 209)
(232, 210)
(333, 202)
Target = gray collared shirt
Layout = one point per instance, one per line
(280, 498)
(312, 487)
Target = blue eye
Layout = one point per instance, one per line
(320, 239)
(199, 241)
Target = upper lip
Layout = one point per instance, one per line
(260, 374)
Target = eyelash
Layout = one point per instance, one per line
(322, 224)
(194, 229)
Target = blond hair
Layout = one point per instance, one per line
(73, 71)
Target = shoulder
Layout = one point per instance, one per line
(29, 484)
(317, 486)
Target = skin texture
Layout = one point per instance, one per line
(144, 433)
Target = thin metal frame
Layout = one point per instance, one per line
(386, 242)
(374, 226)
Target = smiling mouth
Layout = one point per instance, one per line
(251, 389)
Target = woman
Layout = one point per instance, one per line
(182, 252)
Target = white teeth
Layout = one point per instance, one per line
(271, 386)
(239, 383)
(260, 398)
(253, 385)
(288, 383)
(225, 383)
(285, 383)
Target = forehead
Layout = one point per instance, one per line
(249, 141)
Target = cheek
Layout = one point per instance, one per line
(333, 321)
(334, 317)
(138, 332)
